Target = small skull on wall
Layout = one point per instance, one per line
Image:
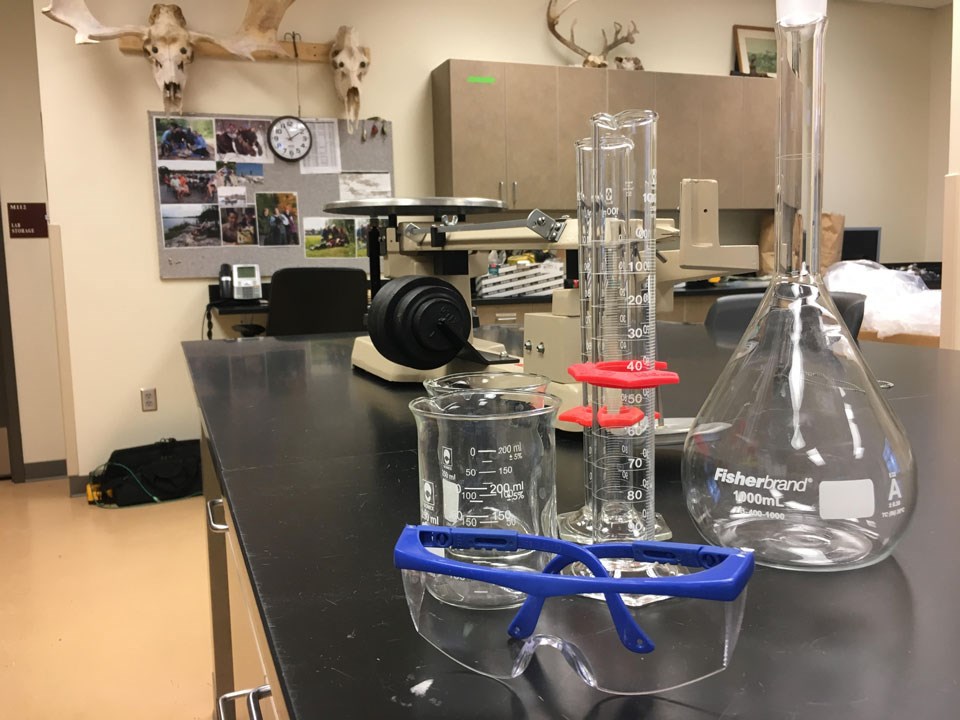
(350, 64)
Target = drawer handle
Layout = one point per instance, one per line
(211, 523)
(515, 186)
(500, 193)
(253, 701)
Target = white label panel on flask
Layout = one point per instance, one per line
(846, 499)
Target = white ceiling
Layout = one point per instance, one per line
(915, 3)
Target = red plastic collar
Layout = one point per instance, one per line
(623, 374)
(626, 417)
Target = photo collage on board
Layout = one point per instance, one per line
(346, 237)
(207, 173)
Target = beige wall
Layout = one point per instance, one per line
(126, 325)
(28, 260)
(941, 47)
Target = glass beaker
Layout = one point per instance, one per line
(487, 460)
(524, 382)
(795, 452)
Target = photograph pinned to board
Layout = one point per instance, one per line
(190, 226)
(234, 174)
(228, 196)
(186, 181)
(238, 225)
(324, 155)
(357, 186)
(364, 225)
(184, 138)
(240, 140)
(330, 237)
(278, 220)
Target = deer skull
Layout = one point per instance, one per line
(169, 49)
(350, 63)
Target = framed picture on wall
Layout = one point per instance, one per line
(756, 50)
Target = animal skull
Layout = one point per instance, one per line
(350, 64)
(168, 46)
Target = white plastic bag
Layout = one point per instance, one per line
(897, 302)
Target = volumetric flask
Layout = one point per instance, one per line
(487, 460)
(795, 452)
(524, 382)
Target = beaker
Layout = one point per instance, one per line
(795, 452)
(487, 460)
(524, 382)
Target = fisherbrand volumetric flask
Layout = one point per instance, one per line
(795, 453)
(488, 461)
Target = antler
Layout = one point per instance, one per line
(553, 18)
(590, 60)
(617, 40)
(257, 32)
(75, 14)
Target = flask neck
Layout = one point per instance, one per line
(800, 147)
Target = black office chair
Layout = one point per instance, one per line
(728, 318)
(313, 300)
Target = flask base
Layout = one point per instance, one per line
(810, 546)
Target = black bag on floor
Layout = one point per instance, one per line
(166, 470)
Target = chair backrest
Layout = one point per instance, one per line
(728, 318)
(313, 300)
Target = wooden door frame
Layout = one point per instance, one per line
(8, 370)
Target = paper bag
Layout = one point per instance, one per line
(831, 242)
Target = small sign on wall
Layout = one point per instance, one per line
(28, 219)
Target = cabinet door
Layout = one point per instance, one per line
(582, 93)
(759, 130)
(630, 90)
(722, 141)
(531, 103)
(678, 134)
(477, 129)
(252, 663)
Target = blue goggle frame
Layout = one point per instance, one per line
(723, 576)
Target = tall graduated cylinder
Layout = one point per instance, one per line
(487, 460)
(620, 296)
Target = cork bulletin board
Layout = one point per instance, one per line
(222, 196)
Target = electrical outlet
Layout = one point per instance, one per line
(148, 399)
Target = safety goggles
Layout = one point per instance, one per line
(685, 633)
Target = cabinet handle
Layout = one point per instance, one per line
(211, 523)
(515, 185)
(500, 191)
(253, 701)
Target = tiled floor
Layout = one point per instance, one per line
(103, 613)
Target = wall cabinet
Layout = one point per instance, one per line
(507, 131)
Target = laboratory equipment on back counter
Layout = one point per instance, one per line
(487, 459)
(428, 237)
(795, 452)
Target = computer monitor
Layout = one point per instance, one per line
(861, 244)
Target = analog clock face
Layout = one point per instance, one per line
(290, 138)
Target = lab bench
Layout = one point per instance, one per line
(316, 465)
